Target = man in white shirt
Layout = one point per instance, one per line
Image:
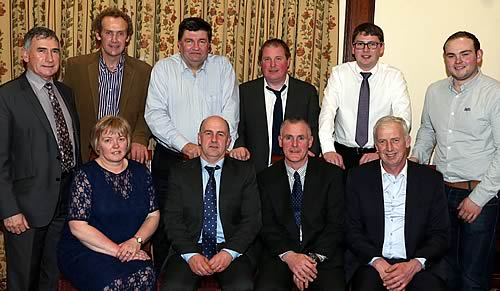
(357, 95)
(397, 224)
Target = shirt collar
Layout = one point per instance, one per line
(202, 68)
(102, 64)
(287, 79)
(373, 70)
(403, 173)
(36, 81)
(205, 163)
(302, 170)
(465, 86)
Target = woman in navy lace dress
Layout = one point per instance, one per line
(112, 212)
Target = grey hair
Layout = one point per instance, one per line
(38, 32)
(391, 119)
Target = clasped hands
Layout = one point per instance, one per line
(131, 250)
(303, 268)
(202, 266)
(397, 276)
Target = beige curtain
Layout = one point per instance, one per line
(240, 28)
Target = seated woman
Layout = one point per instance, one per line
(112, 212)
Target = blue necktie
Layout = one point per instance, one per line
(363, 111)
(209, 233)
(296, 198)
(277, 119)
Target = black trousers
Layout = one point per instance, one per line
(163, 160)
(274, 275)
(31, 256)
(366, 278)
(177, 276)
(351, 156)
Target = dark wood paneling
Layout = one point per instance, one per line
(357, 12)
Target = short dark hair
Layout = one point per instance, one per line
(275, 42)
(464, 34)
(368, 28)
(194, 24)
(38, 32)
(111, 12)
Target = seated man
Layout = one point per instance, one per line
(212, 215)
(302, 214)
(397, 222)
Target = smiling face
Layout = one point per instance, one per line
(43, 57)
(392, 146)
(194, 47)
(112, 147)
(295, 140)
(274, 65)
(214, 139)
(462, 60)
(367, 58)
(113, 36)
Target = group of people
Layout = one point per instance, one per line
(252, 184)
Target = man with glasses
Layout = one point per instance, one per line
(357, 95)
(186, 88)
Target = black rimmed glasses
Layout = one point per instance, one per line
(359, 45)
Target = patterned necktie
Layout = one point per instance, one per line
(297, 198)
(63, 139)
(277, 119)
(363, 111)
(209, 232)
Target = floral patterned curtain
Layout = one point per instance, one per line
(240, 28)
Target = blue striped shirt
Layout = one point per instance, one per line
(110, 88)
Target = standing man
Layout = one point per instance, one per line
(185, 89)
(397, 225)
(267, 101)
(461, 118)
(357, 95)
(38, 150)
(302, 216)
(212, 215)
(108, 82)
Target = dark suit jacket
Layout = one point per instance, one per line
(302, 101)
(322, 211)
(239, 206)
(82, 75)
(426, 216)
(30, 167)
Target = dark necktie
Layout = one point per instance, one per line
(296, 198)
(209, 232)
(63, 140)
(363, 111)
(277, 119)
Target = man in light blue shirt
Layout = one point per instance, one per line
(397, 224)
(184, 89)
(212, 216)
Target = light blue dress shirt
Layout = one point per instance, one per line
(220, 230)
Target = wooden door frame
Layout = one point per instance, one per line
(357, 12)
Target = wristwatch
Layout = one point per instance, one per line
(316, 257)
(138, 239)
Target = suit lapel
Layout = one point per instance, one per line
(377, 199)
(281, 196)
(290, 98)
(194, 180)
(128, 76)
(260, 117)
(36, 106)
(93, 75)
(308, 199)
(410, 212)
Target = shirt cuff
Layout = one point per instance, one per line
(422, 262)
(233, 254)
(284, 254)
(188, 256)
(373, 260)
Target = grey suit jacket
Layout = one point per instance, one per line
(30, 168)
(82, 75)
(239, 206)
(302, 102)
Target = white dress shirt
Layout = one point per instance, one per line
(339, 110)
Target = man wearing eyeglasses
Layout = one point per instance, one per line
(357, 95)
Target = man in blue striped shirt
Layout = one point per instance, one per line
(109, 82)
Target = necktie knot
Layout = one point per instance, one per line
(211, 170)
(277, 92)
(48, 86)
(296, 176)
(366, 75)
